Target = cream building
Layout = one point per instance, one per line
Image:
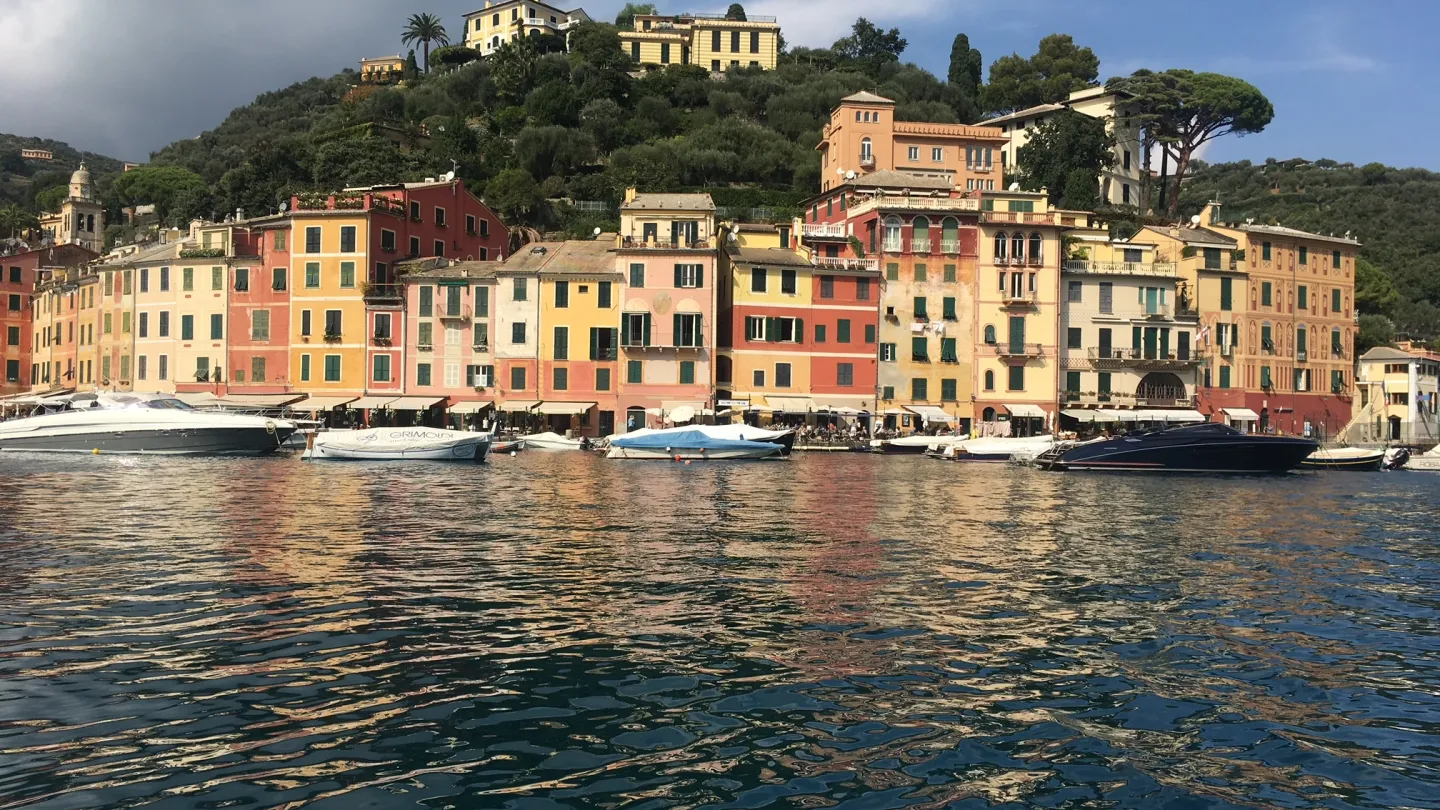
(710, 41)
(498, 23)
(1397, 396)
(81, 218)
(1119, 184)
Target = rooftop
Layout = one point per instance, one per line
(866, 97)
(1293, 233)
(767, 257)
(581, 258)
(1387, 353)
(1195, 236)
(886, 178)
(1020, 115)
(669, 202)
(433, 268)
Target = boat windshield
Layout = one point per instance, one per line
(168, 405)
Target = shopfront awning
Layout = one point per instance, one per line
(791, 404)
(321, 404)
(1026, 411)
(415, 403)
(845, 405)
(518, 405)
(564, 408)
(198, 399)
(930, 413)
(1174, 417)
(461, 408)
(1243, 414)
(260, 400)
(1088, 415)
(371, 403)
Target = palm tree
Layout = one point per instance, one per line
(425, 29)
(14, 218)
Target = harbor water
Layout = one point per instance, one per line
(556, 630)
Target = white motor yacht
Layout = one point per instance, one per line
(400, 444)
(139, 423)
(552, 441)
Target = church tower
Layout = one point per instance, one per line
(81, 220)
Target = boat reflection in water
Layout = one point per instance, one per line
(1206, 448)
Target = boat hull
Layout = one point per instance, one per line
(1370, 462)
(400, 444)
(692, 454)
(1213, 449)
(200, 441)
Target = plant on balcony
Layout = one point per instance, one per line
(332, 337)
(202, 253)
(1187, 252)
(349, 202)
(310, 201)
(857, 246)
(1237, 255)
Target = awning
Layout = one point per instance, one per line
(260, 400)
(1026, 411)
(415, 403)
(518, 405)
(1085, 415)
(461, 408)
(319, 404)
(1243, 414)
(1172, 416)
(673, 404)
(790, 404)
(845, 404)
(370, 403)
(684, 413)
(930, 413)
(564, 408)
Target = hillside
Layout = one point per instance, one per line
(21, 180)
(1395, 213)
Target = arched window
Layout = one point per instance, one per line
(866, 153)
(1037, 249)
(1000, 246)
(989, 413)
(892, 234)
(921, 226)
(989, 381)
(950, 235)
(990, 339)
(920, 235)
(1017, 247)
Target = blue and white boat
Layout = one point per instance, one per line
(689, 444)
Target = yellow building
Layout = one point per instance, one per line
(1017, 311)
(579, 337)
(710, 41)
(81, 218)
(1399, 390)
(156, 296)
(501, 22)
(328, 255)
(382, 70)
(201, 306)
(120, 276)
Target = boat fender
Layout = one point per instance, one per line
(269, 426)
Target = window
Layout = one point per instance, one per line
(919, 389)
(333, 323)
(947, 350)
(517, 378)
(604, 343)
(1016, 381)
(125, 323)
(16, 274)
(1265, 380)
(332, 368)
(635, 51)
(887, 352)
(562, 343)
(634, 372)
(892, 272)
(754, 328)
(560, 379)
(758, 378)
(347, 275)
(1335, 301)
(1000, 242)
(144, 280)
(842, 330)
(887, 393)
(382, 326)
(757, 279)
(635, 329)
(14, 303)
(921, 313)
(217, 327)
(521, 291)
(141, 368)
(937, 154)
(422, 374)
(187, 279)
(1304, 256)
(1266, 292)
(517, 333)
(562, 294)
(664, 53)
(1073, 338)
(602, 379)
(380, 371)
(415, 240)
(920, 273)
(688, 330)
(1334, 259)
(754, 42)
(819, 333)
(260, 324)
(312, 239)
(1075, 289)
(687, 372)
(689, 276)
(913, 153)
(439, 247)
(919, 350)
(312, 275)
(870, 333)
(480, 336)
(277, 278)
(1226, 290)
(866, 155)
(1303, 294)
(734, 41)
(715, 42)
(242, 279)
(426, 334)
(164, 279)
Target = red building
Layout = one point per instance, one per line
(17, 288)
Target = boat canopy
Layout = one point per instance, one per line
(564, 408)
(1026, 411)
(930, 413)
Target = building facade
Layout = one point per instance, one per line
(501, 22)
(579, 336)
(1397, 403)
(18, 275)
(711, 41)
(81, 218)
(516, 341)
(451, 355)
(258, 318)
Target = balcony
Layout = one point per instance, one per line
(867, 161)
(381, 339)
(1020, 299)
(1152, 360)
(950, 247)
(893, 246)
(826, 230)
(1160, 312)
(631, 243)
(386, 293)
(1120, 268)
(455, 313)
(1302, 356)
(1019, 350)
(903, 202)
(846, 263)
(920, 246)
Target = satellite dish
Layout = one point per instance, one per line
(284, 207)
(597, 231)
(449, 176)
(840, 170)
(850, 175)
(1195, 220)
(1014, 186)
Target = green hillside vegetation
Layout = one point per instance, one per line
(35, 185)
(1393, 212)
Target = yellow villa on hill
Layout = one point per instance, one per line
(710, 41)
(501, 22)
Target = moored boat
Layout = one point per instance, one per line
(399, 444)
(1345, 458)
(996, 449)
(689, 445)
(553, 441)
(918, 443)
(1204, 448)
(140, 424)
(1425, 462)
(745, 433)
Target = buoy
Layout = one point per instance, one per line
(96, 451)
(687, 462)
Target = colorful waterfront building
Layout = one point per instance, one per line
(1213, 275)
(1129, 327)
(57, 301)
(19, 271)
(712, 41)
(666, 252)
(1399, 389)
(509, 20)
(516, 342)
(258, 311)
(863, 136)
(156, 330)
(449, 323)
(1297, 355)
(81, 218)
(119, 272)
(1017, 311)
(579, 336)
(202, 305)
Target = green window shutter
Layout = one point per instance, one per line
(1136, 337)
(842, 330)
(917, 348)
(947, 351)
(1301, 344)
(869, 333)
(920, 307)
(675, 336)
(1072, 382)
(948, 390)
(594, 343)
(799, 330)
(482, 302)
(1164, 342)
(647, 330)
(624, 330)
(1265, 339)
(819, 333)
(1265, 294)
(687, 372)
(949, 305)
(678, 275)
(1304, 295)
(1104, 387)
(187, 327)
(1334, 300)
(1017, 331)
(562, 343)
(699, 275)
(217, 327)
(769, 329)
(1226, 284)
(633, 372)
(892, 272)
(422, 374)
(427, 301)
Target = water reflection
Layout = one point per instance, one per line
(557, 630)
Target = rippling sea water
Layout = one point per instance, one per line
(562, 631)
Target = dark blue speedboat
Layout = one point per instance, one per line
(1207, 448)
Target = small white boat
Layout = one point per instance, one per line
(689, 444)
(552, 441)
(1425, 462)
(745, 433)
(919, 443)
(1345, 458)
(400, 444)
(997, 449)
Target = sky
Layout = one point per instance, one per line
(138, 74)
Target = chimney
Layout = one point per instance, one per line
(630, 194)
(1209, 215)
(239, 214)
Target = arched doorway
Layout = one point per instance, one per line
(1394, 428)
(1161, 387)
(988, 415)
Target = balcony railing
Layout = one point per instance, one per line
(1020, 299)
(920, 246)
(867, 161)
(1160, 312)
(846, 263)
(1114, 357)
(455, 313)
(826, 230)
(1302, 356)
(656, 244)
(905, 202)
(893, 246)
(1120, 268)
(383, 292)
(1019, 350)
(950, 247)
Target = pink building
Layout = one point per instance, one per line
(259, 308)
(448, 316)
